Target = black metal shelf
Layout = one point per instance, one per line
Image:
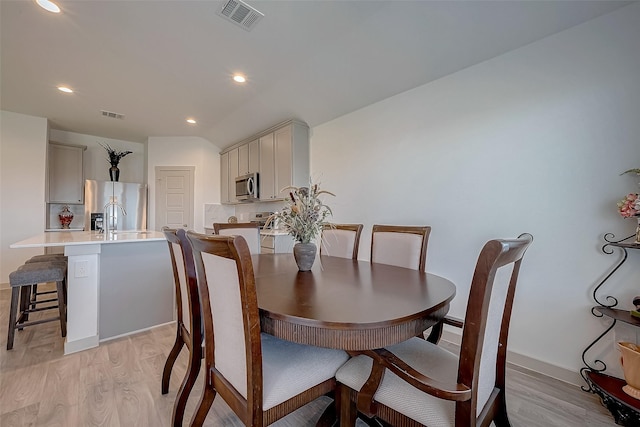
(624, 408)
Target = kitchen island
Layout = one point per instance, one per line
(118, 283)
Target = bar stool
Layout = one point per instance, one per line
(21, 281)
(34, 289)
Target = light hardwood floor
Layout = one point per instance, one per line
(118, 384)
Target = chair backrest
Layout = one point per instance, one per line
(400, 245)
(184, 278)
(486, 324)
(230, 315)
(341, 240)
(250, 231)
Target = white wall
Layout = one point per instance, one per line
(96, 159)
(531, 141)
(23, 151)
(186, 151)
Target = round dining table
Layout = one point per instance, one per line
(347, 304)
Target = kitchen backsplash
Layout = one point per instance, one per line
(53, 222)
(217, 213)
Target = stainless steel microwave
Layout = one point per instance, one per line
(247, 187)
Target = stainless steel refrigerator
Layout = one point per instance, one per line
(103, 201)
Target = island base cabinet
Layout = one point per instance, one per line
(136, 288)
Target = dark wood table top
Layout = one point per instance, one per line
(342, 303)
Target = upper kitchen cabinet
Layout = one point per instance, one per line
(279, 154)
(284, 160)
(224, 178)
(249, 158)
(66, 173)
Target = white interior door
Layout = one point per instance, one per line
(174, 197)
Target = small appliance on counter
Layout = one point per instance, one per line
(260, 218)
(97, 221)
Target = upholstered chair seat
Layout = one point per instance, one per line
(289, 369)
(429, 359)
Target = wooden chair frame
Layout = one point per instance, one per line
(356, 228)
(249, 410)
(495, 254)
(192, 340)
(423, 231)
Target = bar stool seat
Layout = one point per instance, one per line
(21, 281)
(34, 289)
(47, 257)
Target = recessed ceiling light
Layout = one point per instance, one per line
(192, 121)
(65, 89)
(48, 5)
(239, 78)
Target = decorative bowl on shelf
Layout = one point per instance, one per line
(631, 367)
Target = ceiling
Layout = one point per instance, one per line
(159, 62)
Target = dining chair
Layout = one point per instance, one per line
(418, 383)
(249, 230)
(188, 320)
(262, 378)
(400, 245)
(341, 240)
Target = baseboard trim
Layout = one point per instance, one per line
(81, 344)
(115, 337)
(529, 363)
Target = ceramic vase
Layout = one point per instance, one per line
(305, 255)
(631, 367)
(114, 173)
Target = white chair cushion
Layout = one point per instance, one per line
(289, 368)
(399, 249)
(251, 235)
(428, 359)
(338, 243)
(228, 320)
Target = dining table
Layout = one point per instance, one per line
(345, 303)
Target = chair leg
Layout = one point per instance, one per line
(15, 292)
(348, 411)
(25, 299)
(185, 389)
(62, 308)
(206, 400)
(501, 419)
(168, 365)
(436, 333)
(34, 295)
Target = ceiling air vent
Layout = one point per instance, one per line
(112, 115)
(240, 14)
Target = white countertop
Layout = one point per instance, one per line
(73, 238)
(273, 233)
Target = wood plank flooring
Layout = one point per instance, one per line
(118, 384)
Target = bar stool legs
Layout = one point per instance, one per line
(21, 282)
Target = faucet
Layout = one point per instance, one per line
(110, 213)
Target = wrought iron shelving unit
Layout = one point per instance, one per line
(624, 408)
